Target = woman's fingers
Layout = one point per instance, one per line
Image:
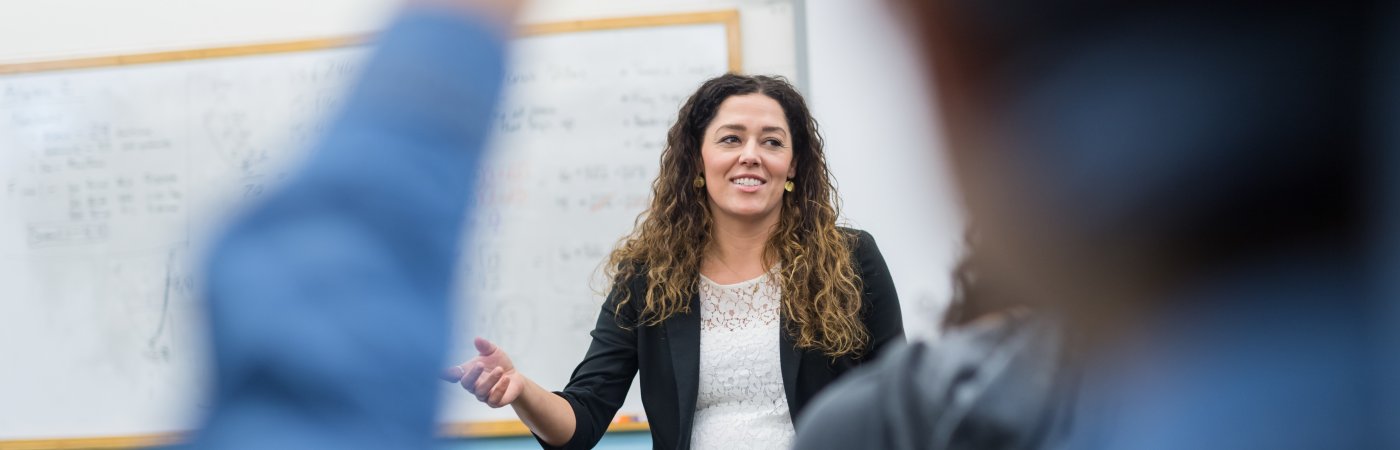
(487, 382)
(469, 380)
(497, 398)
(484, 385)
(452, 374)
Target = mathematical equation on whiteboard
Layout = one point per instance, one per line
(86, 154)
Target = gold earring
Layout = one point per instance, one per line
(789, 186)
(699, 182)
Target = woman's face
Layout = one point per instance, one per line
(747, 153)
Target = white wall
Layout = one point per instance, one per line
(58, 29)
(885, 149)
(55, 29)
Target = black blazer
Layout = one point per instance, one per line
(668, 358)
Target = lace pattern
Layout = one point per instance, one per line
(741, 403)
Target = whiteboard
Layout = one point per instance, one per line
(112, 178)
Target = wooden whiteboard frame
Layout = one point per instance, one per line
(729, 18)
(482, 429)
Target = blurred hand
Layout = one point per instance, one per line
(501, 11)
(490, 376)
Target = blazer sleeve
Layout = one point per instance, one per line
(599, 384)
(882, 315)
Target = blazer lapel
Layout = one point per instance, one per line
(789, 356)
(683, 333)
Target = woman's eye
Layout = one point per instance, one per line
(729, 140)
(774, 143)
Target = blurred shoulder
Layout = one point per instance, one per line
(899, 399)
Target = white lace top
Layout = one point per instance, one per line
(741, 403)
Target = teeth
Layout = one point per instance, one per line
(747, 181)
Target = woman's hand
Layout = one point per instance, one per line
(490, 376)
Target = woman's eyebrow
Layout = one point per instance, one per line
(732, 127)
(740, 129)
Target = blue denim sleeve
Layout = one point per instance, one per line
(328, 301)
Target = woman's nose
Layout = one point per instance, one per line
(749, 155)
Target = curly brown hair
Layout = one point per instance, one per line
(821, 287)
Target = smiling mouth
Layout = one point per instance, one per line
(748, 181)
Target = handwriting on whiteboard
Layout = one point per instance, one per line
(112, 180)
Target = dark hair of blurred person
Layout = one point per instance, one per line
(1129, 148)
(976, 296)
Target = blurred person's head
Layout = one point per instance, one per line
(736, 147)
(1116, 150)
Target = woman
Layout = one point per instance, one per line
(737, 297)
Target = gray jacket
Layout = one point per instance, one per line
(992, 385)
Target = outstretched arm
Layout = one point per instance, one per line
(492, 378)
(327, 301)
